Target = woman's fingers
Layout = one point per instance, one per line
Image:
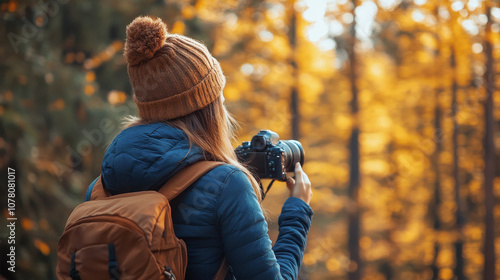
(290, 182)
(298, 173)
(301, 187)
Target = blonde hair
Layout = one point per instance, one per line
(212, 129)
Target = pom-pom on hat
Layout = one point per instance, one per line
(171, 75)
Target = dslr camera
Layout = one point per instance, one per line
(269, 157)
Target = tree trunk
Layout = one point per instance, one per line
(489, 154)
(354, 176)
(438, 139)
(294, 98)
(459, 215)
(437, 181)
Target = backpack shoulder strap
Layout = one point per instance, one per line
(187, 176)
(222, 271)
(98, 191)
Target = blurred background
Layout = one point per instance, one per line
(393, 100)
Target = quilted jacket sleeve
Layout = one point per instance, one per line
(244, 232)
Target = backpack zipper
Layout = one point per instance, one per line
(169, 273)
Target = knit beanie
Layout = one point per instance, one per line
(171, 75)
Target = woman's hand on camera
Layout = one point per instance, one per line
(301, 186)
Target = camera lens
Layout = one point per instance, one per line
(293, 153)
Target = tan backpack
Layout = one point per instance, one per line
(128, 236)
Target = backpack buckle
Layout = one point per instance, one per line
(169, 273)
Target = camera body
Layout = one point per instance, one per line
(268, 157)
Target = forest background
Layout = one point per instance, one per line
(395, 102)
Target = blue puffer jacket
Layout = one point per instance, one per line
(219, 215)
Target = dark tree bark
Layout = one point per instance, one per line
(489, 154)
(294, 98)
(438, 139)
(354, 176)
(437, 180)
(459, 215)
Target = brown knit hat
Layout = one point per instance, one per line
(172, 75)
